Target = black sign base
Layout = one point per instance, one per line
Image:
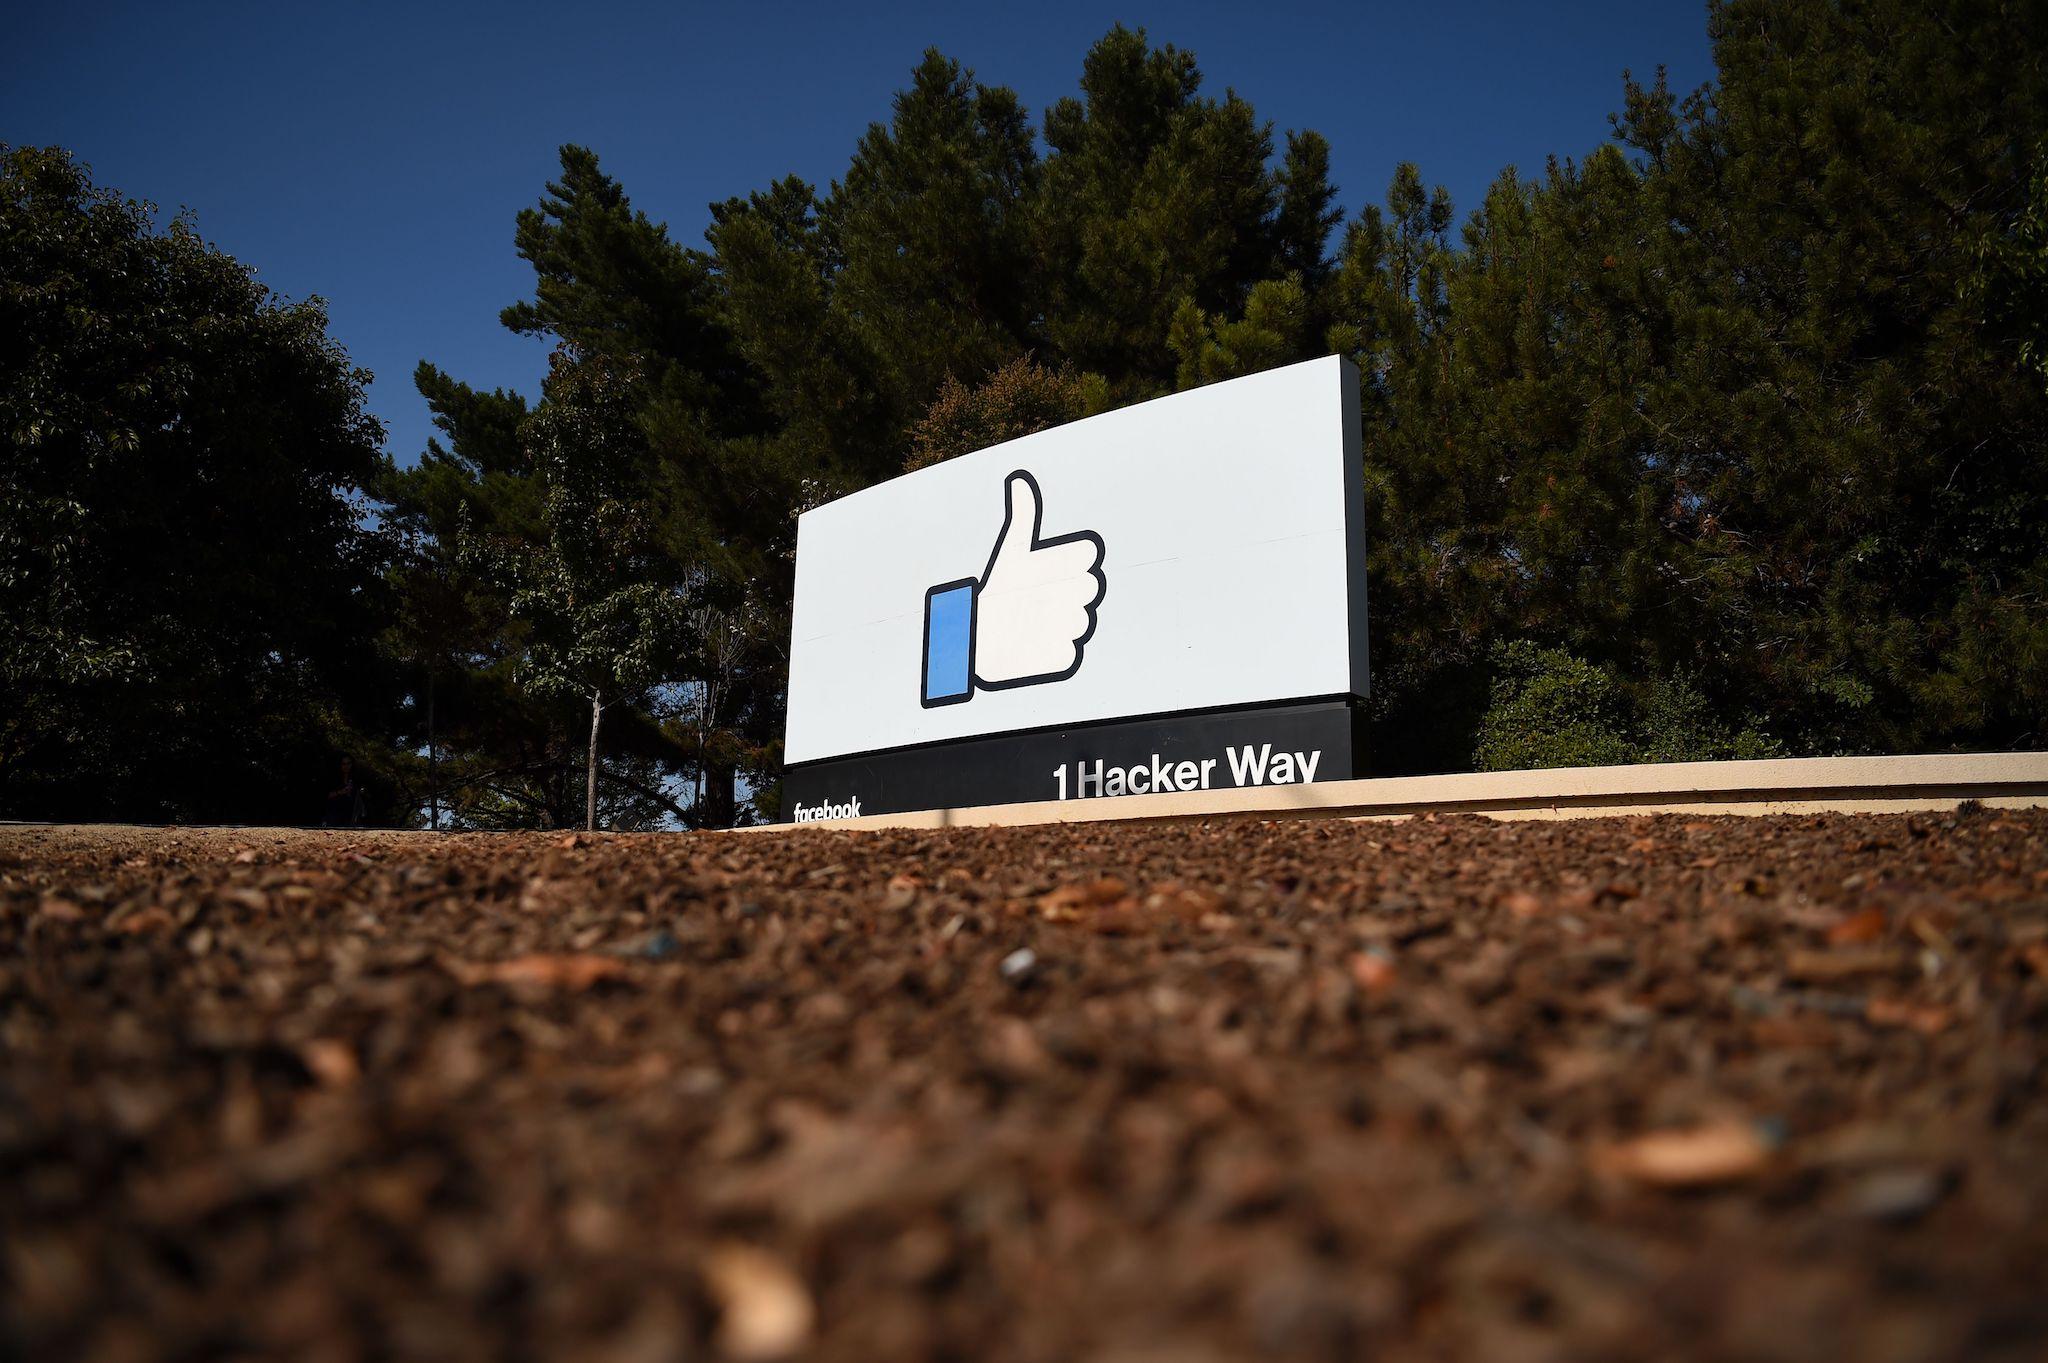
(1217, 750)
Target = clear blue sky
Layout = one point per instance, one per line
(375, 155)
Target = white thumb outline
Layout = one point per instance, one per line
(1011, 556)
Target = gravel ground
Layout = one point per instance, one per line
(1442, 1088)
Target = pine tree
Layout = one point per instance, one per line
(491, 755)
(930, 229)
(1154, 195)
(1865, 469)
(722, 479)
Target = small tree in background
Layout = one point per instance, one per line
(603, 620)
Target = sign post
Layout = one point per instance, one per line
(1169, 597)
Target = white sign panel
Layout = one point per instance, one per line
(1195, 552)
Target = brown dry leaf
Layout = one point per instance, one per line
(574, 971)
(1933, 937)
(1121, 919)
(1522, 904)
(1189, 903)
(1795, 1031)
(1842, 963)
(152, 919)
(1013, 1048)
(60, 910)
(765, 1311)
(1371, 971)
(1075, 903)
(332, 1062)
(1928, 1019)
(1692, 1157)
(1857, 929)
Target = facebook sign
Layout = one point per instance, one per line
(1166, 597)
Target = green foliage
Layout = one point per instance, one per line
(484, 752)
(1551, 709)
(1272, 332)
(603, 618)
(1676, 723)
(660, 404)
(603, 610)
(2010, 281)
(1859, 480)
(930, 226)
(608, 280)
(1154, 194)
(1738, 421)
(1717, 402)
(188, 582)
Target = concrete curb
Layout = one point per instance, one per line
(1802, 785)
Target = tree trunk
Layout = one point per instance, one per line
(433, 771)
(703, 730)
(721, 796)
(590, 772)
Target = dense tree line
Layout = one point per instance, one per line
(1729, 438)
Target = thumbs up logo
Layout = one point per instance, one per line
(1026, 619)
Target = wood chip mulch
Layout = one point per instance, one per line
(1444, 1088)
